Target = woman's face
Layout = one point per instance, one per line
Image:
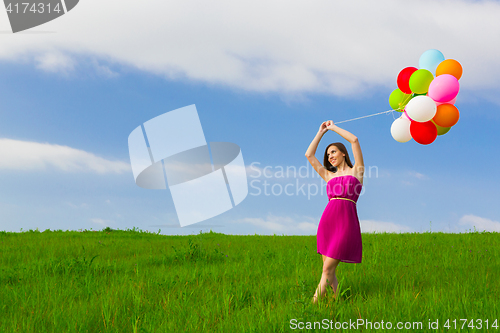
(335, 156)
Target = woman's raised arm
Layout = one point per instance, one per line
(311, 151)
(359, 165)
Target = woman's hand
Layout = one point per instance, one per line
(323, 129)
(329, 125)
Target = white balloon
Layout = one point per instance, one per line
(400, 130)
(421, 108)
(405, 116)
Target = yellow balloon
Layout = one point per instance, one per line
(441, 130)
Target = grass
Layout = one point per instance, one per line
(136, 281)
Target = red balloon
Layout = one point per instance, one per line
(423, 133)
(404, 79)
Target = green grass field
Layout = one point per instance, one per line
(135, 281)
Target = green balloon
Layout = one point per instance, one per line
(420, 81)
(398, 100)
(441, 130)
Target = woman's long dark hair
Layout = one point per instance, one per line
(340, 146)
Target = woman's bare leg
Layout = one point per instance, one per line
(328, 278)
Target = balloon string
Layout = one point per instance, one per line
(393, 115)
(371, 115)
(406, 100)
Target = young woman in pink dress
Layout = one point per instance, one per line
(339, 233)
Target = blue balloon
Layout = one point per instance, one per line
(430, 59)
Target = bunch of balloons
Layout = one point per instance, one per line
(426, 97)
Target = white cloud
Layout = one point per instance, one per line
(379, 226)
(27, 155)
(480, 223)
(337, 47)
(309, 226)
(103, 70)
(284, 224)
(417, 175)
(407, 177)
(55, 62)
(102, 222)
(82, 205)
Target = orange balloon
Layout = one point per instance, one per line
(450, 66)
(446, 115)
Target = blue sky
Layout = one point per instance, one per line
(70, 94)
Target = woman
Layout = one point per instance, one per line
(339, 233)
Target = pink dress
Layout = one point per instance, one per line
(339, 233)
